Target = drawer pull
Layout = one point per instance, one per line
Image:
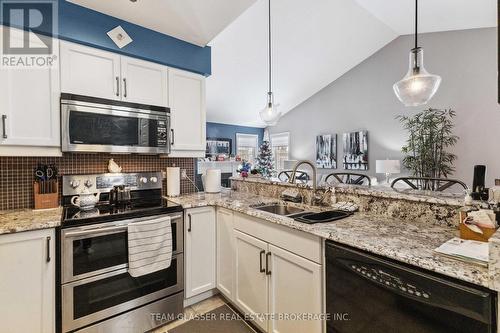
(4, 129)
(125, 88)
(48, 249)
(262, 269)
(268, 257)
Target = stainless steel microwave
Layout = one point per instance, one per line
(93, 125)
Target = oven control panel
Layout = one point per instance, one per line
(76, 184)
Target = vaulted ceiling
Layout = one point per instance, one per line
(434, 15)
(314, 43)
(195, 21)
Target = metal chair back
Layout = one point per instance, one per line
(349, 178)
(429, 183)
(286, 175)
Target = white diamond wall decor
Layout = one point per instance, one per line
(119, 36)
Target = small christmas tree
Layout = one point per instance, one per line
(264, 161)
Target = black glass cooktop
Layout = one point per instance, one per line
(104, 212)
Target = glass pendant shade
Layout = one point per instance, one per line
(270, 114)
(418, 86)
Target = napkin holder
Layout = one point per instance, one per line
(467, 233)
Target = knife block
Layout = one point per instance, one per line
(46, 194)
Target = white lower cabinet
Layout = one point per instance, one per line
(251, 282)
(199, 249)
(27, 282)
(272, 280)
(294, 288)
(225, 252)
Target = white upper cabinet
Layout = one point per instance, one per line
(97, 73)
(29, 98)
(187, 104)
(29, 105)
(89, 71)
(144, 82)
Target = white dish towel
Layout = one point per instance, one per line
(149, 246)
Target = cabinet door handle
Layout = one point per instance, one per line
(172, 141)
(124, 87)
(48, 249)
(262, 269)
(268, 257)
(117, 86)
(4, 127)
(189, 222)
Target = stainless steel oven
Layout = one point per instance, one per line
(99, 125)
(96, 284)
(101, 248)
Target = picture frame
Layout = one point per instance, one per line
(355, 147)
(326, 151)
(218, 146)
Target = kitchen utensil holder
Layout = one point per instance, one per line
(46, 194)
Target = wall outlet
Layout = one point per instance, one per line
(184, 174)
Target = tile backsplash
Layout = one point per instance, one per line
(16, 173)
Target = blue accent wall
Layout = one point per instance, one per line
(216, 130)
(85, 26)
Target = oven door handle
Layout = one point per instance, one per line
(95, 231)
(121, 227)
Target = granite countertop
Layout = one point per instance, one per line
(412, 243)
(28, 219)
(409, 242)
(444, 198)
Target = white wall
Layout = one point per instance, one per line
(363, 99)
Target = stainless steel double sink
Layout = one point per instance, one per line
(280, 209)
(302, 215)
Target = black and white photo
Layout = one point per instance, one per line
(218, 146)
(355, 150)
(326, 151)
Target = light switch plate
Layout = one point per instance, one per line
(119, 36)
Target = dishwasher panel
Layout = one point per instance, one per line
(366, 293)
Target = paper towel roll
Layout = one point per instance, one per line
(173, 181)
(212, 180)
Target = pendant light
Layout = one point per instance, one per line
(418, 86)
(270, 114)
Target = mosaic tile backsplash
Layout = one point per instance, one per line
(16, 173)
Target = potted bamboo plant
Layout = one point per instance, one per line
(427, 147)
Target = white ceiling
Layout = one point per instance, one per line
(434, 15)
(315, 42)
(195, 21)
